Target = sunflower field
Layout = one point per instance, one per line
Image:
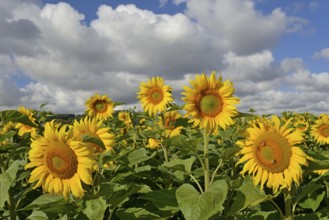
(200, 160)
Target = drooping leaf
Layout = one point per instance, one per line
(16, 116)
(98, 141)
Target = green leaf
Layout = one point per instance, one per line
(247, 195)
(201, 206)
(120, 193)
(38, 215)
(163, 199)
(306, 190)
(312, 201)
(16, 116)
(95, 208)
(317, 165)
(6, 179)
(143, 168)
(183, 144)
(137, 213)
(45, 201)
(138, 156)
(180, 164)
(98, 141)
(7, 135)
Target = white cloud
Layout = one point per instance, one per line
(69, 61)
(324, 53)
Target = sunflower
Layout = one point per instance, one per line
(168, 123)
(100, 107)
(154, 95)
(210, 102)
(320, 130)
(91, 127)
(153, 143)
(61, 163)
(124, 116)
(271, 154)
(23, 128)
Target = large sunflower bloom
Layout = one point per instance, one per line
(23, 128)
(168, 124)
(100, 107)
(91, 127)
(60, 163)
(210, 102)
(320, 130)
(154, 95)
(270, 154)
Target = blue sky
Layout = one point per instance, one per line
(62, 52)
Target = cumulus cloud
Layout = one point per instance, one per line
(68, 60)
(324, 53)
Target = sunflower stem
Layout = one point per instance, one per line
(206, 159)
(289, 215)
(165, 152)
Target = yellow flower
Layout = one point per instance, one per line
(23, 128)
(154, 95)
(124, 116)
(153, 143)
(321, 172)
(324, 116)
(60, 163)
(210, 102)
(271, 156)
(100, 107)
(320, 130)
(90, 127)
(168, 123)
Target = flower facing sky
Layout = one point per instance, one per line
(209, 102)
(154, 95)
(59, 163)
(270, 154)
(100, 107)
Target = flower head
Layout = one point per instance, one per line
(320, 130)
(270, 154)
(91, 127)
(154, 95)
(60, 163)
(210, 102)
(168, 124)
(100, 107)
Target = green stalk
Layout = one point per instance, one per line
(289, 215)
(206, 159)
(165, 152)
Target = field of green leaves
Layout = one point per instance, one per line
(164, 163)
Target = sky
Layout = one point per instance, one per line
(60, 53)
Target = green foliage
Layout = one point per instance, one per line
(134, 181)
